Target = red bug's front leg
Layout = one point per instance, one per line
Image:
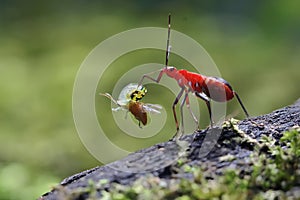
(161, 72)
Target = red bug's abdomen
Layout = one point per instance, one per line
(217, 89)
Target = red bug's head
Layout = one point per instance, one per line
(170, 71)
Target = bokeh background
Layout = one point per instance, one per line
(255, 44)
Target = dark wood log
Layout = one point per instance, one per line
(159, 159)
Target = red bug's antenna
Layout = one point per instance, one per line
(168, 41)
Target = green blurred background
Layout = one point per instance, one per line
(255, 44)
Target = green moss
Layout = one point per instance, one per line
(280, 167)
(232, 124)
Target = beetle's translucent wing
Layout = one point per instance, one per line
(118, 109)
(152, 108)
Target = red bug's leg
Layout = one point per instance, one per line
(207, 101)
(185, 100)
(209, 111)
(242, 105)
(161, 72)
(181, 114)
(190, 110)
(174, 111)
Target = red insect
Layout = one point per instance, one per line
(205, 87)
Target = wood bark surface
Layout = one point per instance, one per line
(159, 159)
